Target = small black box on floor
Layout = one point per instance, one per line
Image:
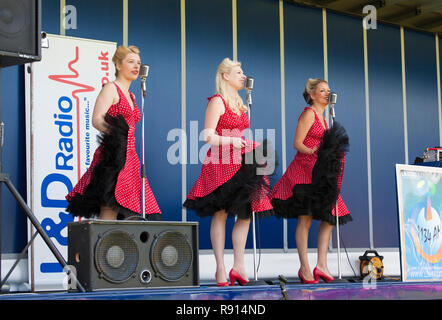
(108, 255)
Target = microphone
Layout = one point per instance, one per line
(249, 88)
(332, 98)
(144, 71)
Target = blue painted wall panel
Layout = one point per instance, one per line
(98, 19)
(13, 223)
(346, 77)
(154, 26)
(50, 16)
(258, 50)
(386, 129)
(422, 114)
(303, 60)
(208, 42)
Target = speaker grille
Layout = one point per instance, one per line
(116, 256)
(171, 255)
(17, 26)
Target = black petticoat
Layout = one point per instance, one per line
(318, 198)
(101, 188)
(234, 196)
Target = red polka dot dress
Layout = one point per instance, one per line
(311, 183)
(230, 178)
(113, 178)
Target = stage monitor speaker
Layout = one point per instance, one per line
(20, 29)
(109, 255)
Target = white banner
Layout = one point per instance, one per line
(61, 91)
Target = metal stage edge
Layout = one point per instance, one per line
(380, 290)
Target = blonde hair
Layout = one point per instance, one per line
(310, 87)
(121, 53)
(226, 66)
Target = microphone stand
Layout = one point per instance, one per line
(255, 280)
(332, 120)
(143, 168)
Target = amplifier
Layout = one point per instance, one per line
(134, 254)
(432, 154)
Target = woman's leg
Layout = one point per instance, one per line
(107, 213)
(218, 239)
(325, 230)
(302, 229)
(239, 239)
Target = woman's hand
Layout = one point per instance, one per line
(313, 150)
(239, 143)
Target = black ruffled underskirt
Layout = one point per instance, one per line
(235, 195)
(100, 191)
(318, 198)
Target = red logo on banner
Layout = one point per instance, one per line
(83, 88)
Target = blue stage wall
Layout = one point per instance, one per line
(155, 27)
(303, 52)
(208, 41)
(157, 35)
(386, 129)
(258, 50)
(422, 113)
(346, 76)
(13, 224)
(101, 20)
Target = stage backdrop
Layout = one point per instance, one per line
(389, 103)
(60, 96)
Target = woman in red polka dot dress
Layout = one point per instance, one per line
(231, 180)
(310, 186)
(111, 187)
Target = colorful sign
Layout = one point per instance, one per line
(420, 206)
(60, 95)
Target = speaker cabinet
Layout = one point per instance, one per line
(108, 255)
(20, 28)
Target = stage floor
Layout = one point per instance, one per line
(381, 290)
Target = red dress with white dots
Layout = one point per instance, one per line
(294, 194)
(229, 178)
(113, 178)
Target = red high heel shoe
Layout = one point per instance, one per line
(304, 280)
(234, 275)
(221, 284)
(318, 273)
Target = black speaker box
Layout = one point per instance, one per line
(108, 255)
(20, 29)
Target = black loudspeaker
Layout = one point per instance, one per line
(20, 29)
(110, 255)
